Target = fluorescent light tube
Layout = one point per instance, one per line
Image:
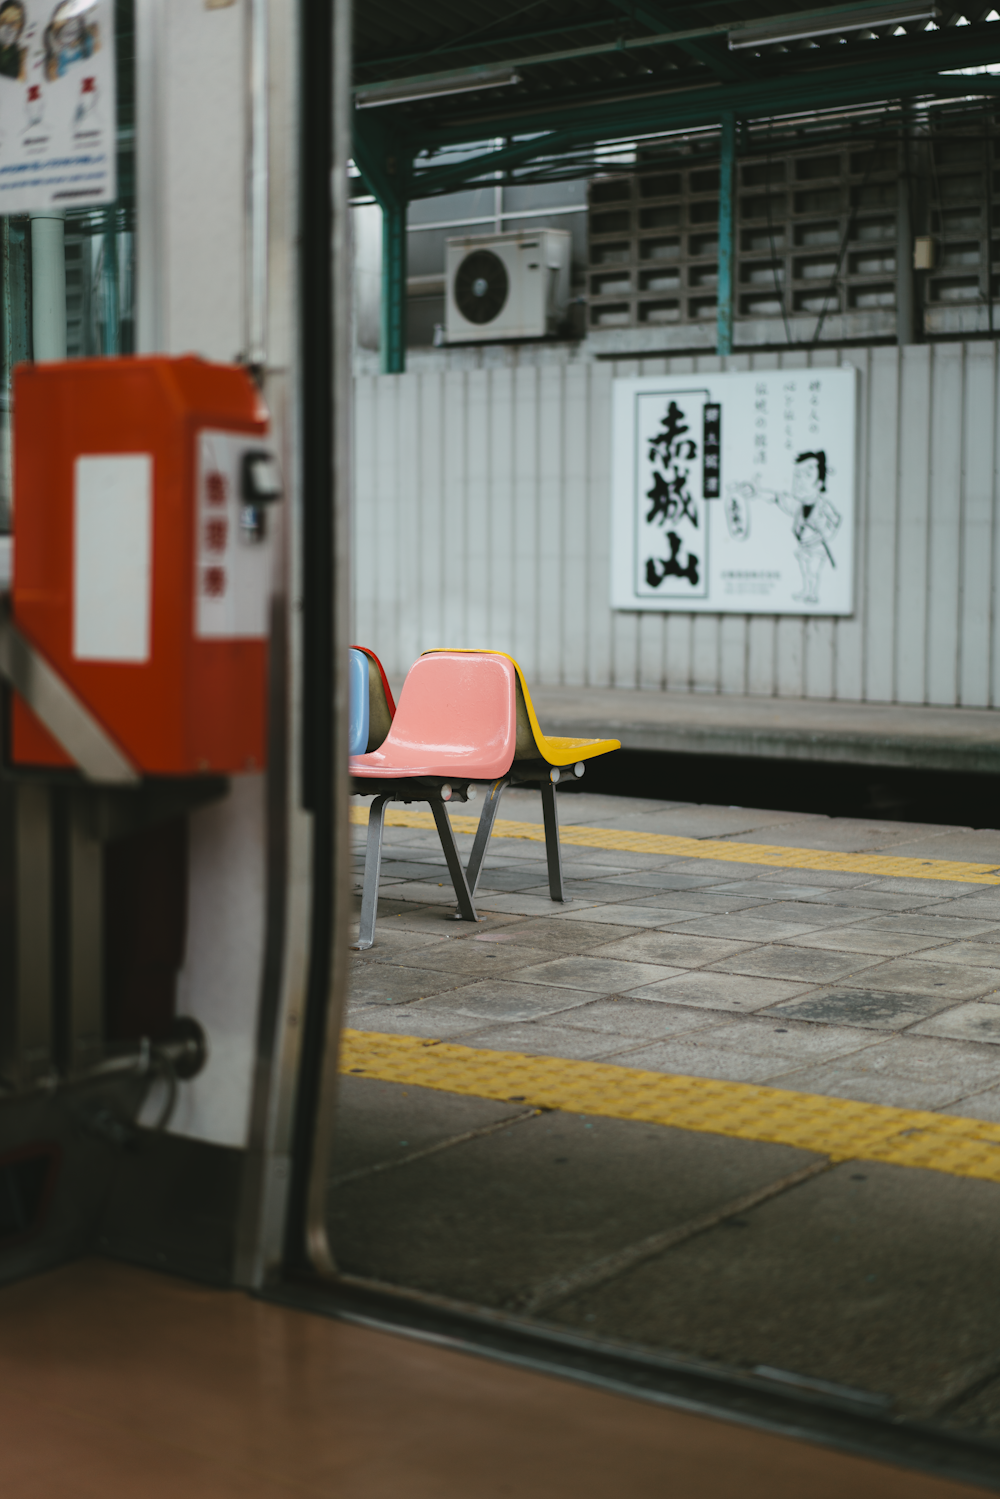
(826, 23)
(406, 90)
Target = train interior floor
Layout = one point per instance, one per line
(117, 1382)
(737, 1101)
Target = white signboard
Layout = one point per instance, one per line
(57, 104)
(734, 493)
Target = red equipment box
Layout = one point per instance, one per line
(142, 556)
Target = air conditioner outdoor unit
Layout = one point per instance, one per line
(506, 285)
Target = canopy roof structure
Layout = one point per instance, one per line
(447, 95)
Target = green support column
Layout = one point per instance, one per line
(727, 162)
(393, 339)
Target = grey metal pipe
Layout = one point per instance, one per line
(48, 284)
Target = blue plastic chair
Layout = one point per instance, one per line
(360, 700)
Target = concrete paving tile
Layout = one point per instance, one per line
(412, 1020)
(970, 1022)
(388, 984)
(950, 927)
(752, 925)
(976, 846)
(717, 822)
(978, 953)
(825, 878)
(473, 959)
(936, 888)
(775, 890)
(924, 976)
(840, 834)
(557, 934)
(378, 1122)
(706, 902)
(520, 905)
(404, 916)
(872, 1009)
(599, 975)
(636, 1020)
(984, 905)
(687, 1058)
(595, 892)
(719, 991)
(874, 900)
(722, 869)
(791, 1042)
(665, 879)
(537, 1038)
(625, 913)
(496, 881)
(426, 892)
(809, 913)
(870, 1276)
(394, 941)
(500, 999)
(675, 948)
(981, 1105)
(912, 1072)
(811, 964)
(864, 939)
(990, 934)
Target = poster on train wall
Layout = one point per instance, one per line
(57, 104)
(734, 493)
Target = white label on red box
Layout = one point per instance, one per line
(112, 556)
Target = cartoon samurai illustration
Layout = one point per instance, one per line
(69, 37)
(815, 521)
(12, 19)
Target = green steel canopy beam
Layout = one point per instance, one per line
(727, 181)
(386, 165)
(891, 72)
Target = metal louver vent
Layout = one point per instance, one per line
(481, 286)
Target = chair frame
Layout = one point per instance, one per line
(407, 791)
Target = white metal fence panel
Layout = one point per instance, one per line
(483, 520)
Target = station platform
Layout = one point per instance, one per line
(737, 1102)
(877, 734)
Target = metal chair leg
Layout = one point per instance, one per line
(553, 853)
(466, 905)
(373, 864)
(487, 818)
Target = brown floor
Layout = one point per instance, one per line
(118, 1382)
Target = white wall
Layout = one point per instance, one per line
(192, 172)
(482, 518)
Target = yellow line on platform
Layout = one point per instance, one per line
(834, 1127)
(668, 845)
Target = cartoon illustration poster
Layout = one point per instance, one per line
(57, 104)
(734, 493)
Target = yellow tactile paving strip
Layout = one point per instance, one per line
(835, 1127)
(670, 846)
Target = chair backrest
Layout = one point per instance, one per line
(357, 672)
(381, 708)
(457, 717)
(532, 742)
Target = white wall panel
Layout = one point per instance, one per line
(483, 519)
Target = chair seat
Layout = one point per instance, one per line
(456, 718)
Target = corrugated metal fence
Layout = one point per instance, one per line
(482, 518)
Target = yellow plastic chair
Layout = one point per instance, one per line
(540, 760)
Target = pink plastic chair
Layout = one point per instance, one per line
(456, 722)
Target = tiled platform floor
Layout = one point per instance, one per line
(879, 989)
(754, 1252)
